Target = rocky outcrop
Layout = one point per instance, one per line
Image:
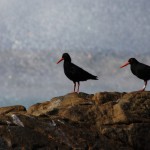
(105, 120)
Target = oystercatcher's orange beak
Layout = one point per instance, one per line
(60, 60)
(127, 63)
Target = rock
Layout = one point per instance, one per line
(104, 97)
(127, 120)
(130, 108)
(58, 103)
(105, 120)
(9, 109)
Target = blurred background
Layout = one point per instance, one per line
(100, 35)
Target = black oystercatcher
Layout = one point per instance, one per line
(140, 70)
(75, 73)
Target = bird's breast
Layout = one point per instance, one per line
(67, 70)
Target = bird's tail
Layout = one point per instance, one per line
(94, 77)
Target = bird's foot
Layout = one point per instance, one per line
(142, 90)
(73, 92)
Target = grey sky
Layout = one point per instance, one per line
(75, 24)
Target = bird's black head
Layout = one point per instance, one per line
(65, 57)
(130, 61)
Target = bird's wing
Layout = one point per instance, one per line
(79, 73)
(144, 70)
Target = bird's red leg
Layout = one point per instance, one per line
(78, 87)
(144, 86)
(74, 87)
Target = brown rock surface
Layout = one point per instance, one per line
(17, 108)
(103, 121)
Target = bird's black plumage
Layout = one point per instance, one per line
(140, 70)
(75, 73)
